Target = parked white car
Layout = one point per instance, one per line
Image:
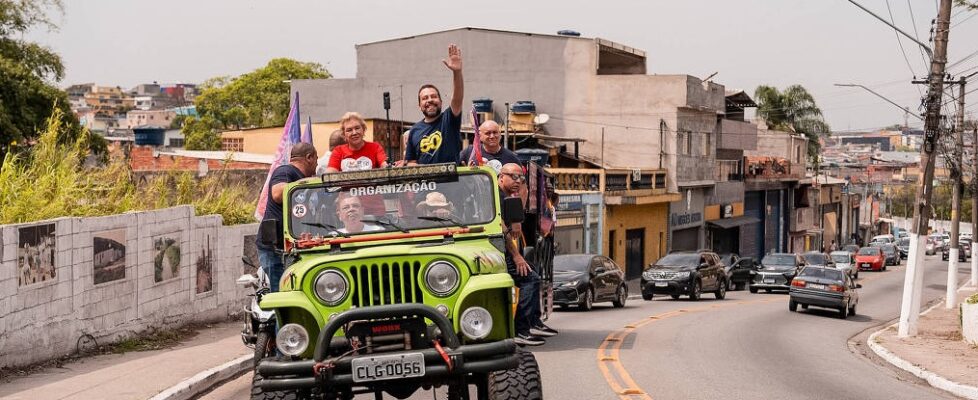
(883, 239)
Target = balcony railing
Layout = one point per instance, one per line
(771, 168)
(635, 182)
(728, 170)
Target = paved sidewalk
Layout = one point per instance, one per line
(133, 375)
(937, 354)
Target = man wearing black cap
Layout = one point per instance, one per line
(302, 164)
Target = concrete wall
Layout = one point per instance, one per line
(652, 217)
(45, 320)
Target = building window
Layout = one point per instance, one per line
(689, 143)
(176, 142)
(232, 144)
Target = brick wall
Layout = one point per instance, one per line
(46, 319)
(143, 158)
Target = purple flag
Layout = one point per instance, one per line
(475, 158)
(290, 135)
(307, 135)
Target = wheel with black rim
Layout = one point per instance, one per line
(522, 382)
(588, 301)
(696, 291)
(792, 306)
(753, 289)
(620, 296)
(647, 296)
(852, 310)
(721, 291)
(843, 312)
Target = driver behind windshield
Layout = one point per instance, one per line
(349, 210)
(436, 205)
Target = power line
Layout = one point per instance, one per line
(900, 42)
(962, 21)
(915, 34)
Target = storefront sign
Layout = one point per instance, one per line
(679, 220)
(570, 202)
(726, 211)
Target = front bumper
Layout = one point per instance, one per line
(871, 267)
(565, 296)
(672, 288)
(465, 359)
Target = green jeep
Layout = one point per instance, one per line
(396, 281)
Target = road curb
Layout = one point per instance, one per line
(935, 380)
(205, 380)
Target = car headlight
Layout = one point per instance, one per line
(441, 277)
(476, 323)
(570, 283)
(331, 287)
(647, 274)
(292, 339)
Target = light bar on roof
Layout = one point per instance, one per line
(446, 170)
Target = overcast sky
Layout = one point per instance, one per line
(748, 42)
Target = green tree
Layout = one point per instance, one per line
(201, 133)
(793, 110)
(27, 71)
(259, 98)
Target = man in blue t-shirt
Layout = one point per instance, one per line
(302, 164)
(437, 138)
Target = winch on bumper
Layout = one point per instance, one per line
(444, 359)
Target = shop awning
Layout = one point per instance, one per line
(733, 222)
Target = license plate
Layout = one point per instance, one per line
(661, 284)
(816, 286)
(769, 281)
(865, 265)
(378, 368)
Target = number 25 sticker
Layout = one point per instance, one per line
(299, 211)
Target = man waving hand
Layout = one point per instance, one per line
(437, 137)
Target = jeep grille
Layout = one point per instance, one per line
(383, 284)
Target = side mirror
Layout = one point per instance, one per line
(513, 210)
(270, 233)
(859, 286)
(247, 280)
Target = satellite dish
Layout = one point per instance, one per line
(541, 119)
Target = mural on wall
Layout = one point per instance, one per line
(35, 254)
(251, 253)
(166, 264)
(109, 255)
(205, 268)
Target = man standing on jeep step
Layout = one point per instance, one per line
(302, 164)
(530, 330)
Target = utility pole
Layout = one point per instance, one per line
(974, 209)
(910, 307)
(957, 170)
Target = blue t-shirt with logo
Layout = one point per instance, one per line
(437, 142)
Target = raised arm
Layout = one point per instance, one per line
(454, 63)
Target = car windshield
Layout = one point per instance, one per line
(826, 273)
(402, 205)
(869, 251)
(680, 259)
(815, 258)
(778, 261)
(841, 258)
(572, 262)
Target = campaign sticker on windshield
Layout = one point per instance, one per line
(299, 211)
(411, 187)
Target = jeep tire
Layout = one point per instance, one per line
(257, 393)
(520, 383)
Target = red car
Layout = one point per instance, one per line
(871, 258)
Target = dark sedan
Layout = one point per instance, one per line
(585, 279)
(890, 253)
(824, 287)
(819, 259)
(964, 250)
(776, 272)
(904, 246)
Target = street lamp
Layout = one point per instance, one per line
(904, 109)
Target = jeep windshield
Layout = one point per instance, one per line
(391, 206)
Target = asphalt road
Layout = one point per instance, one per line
(748, 346)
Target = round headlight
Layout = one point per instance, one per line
(292, 339)
(331, 287)
(441, 277)
(476, 323)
